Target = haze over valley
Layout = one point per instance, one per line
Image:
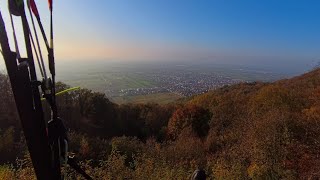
(150, 81)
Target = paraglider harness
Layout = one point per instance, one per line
(47, 141)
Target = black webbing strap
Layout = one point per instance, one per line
(25, 96)
(72, 162)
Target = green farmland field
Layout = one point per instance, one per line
(160, 98)
(109, 81)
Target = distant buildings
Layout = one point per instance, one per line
(184, 83)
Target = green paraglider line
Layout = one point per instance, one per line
(64, 91)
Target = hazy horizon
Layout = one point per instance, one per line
(274, 37)
(270, 33)
(267, 64)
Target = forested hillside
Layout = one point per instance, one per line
(244, 131)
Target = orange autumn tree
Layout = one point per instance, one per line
(193, 117)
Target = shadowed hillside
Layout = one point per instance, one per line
(244, 131)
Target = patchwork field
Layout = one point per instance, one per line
(138, 83)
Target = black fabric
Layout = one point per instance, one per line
(56, 130)
(16, 7)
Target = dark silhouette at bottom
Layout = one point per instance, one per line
(199, 174)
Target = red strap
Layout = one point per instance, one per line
(34, 8)
(50, 4)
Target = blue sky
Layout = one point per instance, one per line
(184, 29)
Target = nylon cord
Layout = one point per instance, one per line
(16, 43)
(38, 44)
(14, 37)
(35, 51)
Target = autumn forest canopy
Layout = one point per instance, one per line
(243, 131)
